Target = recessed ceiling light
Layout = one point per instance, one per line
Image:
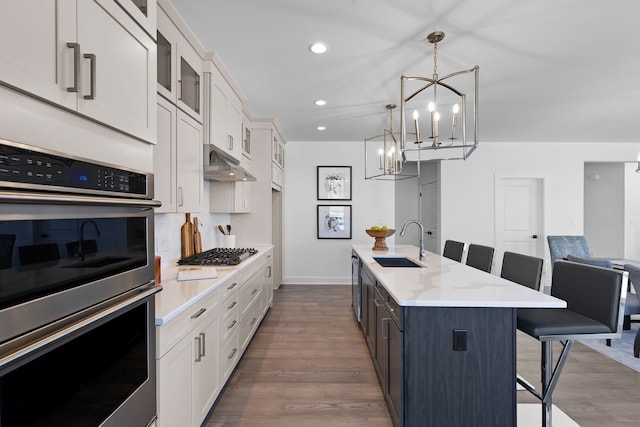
(318, 47)
(320, 102)
(321, 128)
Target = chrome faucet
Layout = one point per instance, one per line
(81, 248)
(423, 254)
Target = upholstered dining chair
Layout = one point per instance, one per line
(480, 257)
(522, 269)
(595, 299)
(598, 262)
(632, 305)
(453, 250)
(561, 246)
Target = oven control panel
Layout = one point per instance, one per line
(30, 167)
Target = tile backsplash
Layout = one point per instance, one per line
(167, 233)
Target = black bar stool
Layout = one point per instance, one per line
(595, 299)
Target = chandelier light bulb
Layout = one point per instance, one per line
(415, 115)
(436, 116)
(456, 108)
(431, 107)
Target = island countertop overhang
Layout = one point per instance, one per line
(442, 282)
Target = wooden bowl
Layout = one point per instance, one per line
(380, 235)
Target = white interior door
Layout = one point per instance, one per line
(519, 211)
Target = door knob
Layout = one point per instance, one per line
(535, 236)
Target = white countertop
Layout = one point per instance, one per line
(176, 296)
(446, 283)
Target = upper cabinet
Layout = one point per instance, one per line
(179, 68)
(144, 12)
(277, 157)
(223, 115)
(87, 56)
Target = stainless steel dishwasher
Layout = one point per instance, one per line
(356, 287)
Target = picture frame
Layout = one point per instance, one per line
(334, 182)
(334, 221)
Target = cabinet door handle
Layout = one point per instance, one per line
(180, 90)
(76, 65)
(180, 196)
(269, 275)
(385, 335)
(230, 140)
(233, 353)
(233, 304)
(198, 313)
(232, 324)
(254, 291)
(203, 344)
(92, 86)
(199, 352)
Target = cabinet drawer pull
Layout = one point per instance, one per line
(233, 353)
(198, 313)
(233, 285)
(76, 66)
(92, 86)
(254, 291)
(269, 274)
(233, 304)
(253, 322)
(232, 324)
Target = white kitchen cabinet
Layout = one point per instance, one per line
(87, 56)
(179, 66)
(277, 157)
(178, 160)
(144, 12)
(174, 386)
(223, 115)
(187, 368)
(267, 275)
(231, 197)
(205, 368)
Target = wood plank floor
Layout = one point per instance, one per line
(308, 365)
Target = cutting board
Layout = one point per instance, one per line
(197, 238)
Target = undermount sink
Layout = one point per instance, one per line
(396, 262)
(101, 262)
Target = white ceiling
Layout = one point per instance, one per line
(550, 71)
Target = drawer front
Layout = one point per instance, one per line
(249, 324)
(250, 292)
(229, 304)
(228, 357)
(229, 325)
(231, 286)
(169, 334)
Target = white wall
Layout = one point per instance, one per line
(467, 197)
(604, 210)
(310, 260)
(632, 212)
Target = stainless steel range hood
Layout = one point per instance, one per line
(220, 166)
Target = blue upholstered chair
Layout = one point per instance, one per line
(561, 246)
(598, 262)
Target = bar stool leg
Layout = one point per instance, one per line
(547, 372)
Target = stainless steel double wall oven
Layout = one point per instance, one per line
(77, 338)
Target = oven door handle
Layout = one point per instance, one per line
(73, 199)
(103, 310)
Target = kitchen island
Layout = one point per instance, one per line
(442, 338)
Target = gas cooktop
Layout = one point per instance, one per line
(219, 256)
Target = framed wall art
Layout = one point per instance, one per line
(334, 182)
(334, 221)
